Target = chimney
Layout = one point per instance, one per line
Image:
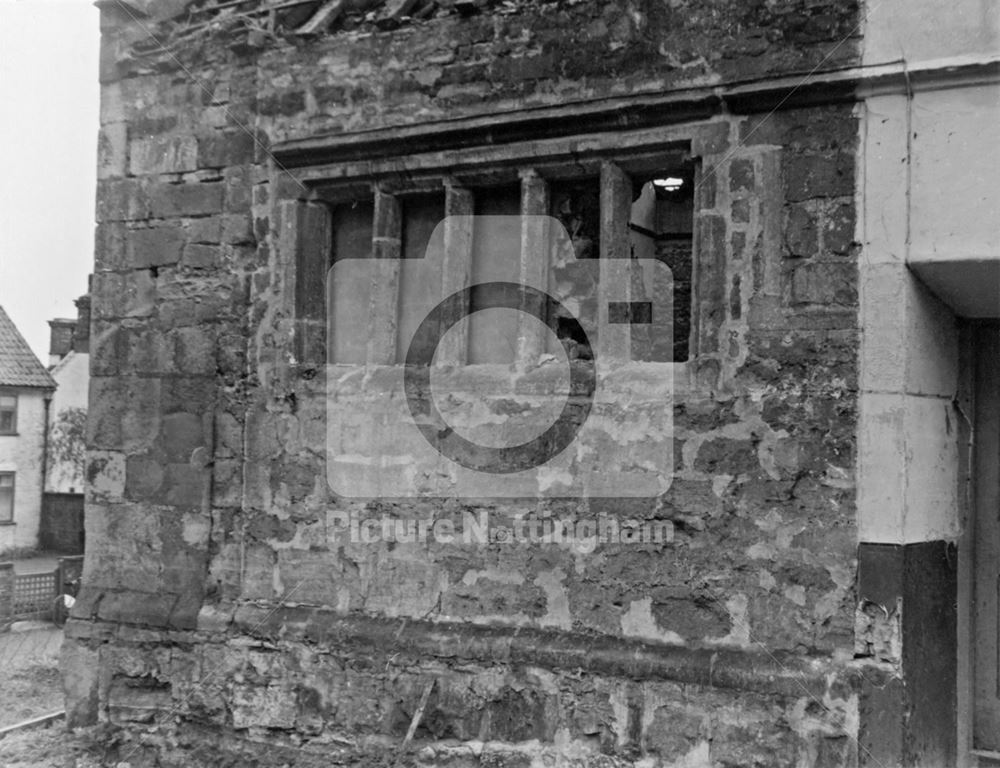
(60, 339)
(81, 332)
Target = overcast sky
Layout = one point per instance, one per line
(49, 101)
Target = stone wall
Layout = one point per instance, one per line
(218, 601)
(6, 594)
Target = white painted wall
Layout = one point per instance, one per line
(924, 30)
(930, 224)
(955, 200)
(932, 159)
(72, 375)
(22, 453)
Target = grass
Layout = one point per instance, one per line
(51, 747)
(32, 690)
(30, 686)
(29, 692)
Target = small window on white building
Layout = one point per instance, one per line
(8, 414)
(6, 497)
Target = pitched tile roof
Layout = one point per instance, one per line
(18, 365)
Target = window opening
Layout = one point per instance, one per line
(661, 228)
(8, 414)
(6, 497)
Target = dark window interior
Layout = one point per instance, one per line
(8, 414)
(352, 230)
(6, 497)
(662, 228)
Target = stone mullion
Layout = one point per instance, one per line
(383, 318)
(708, 271)
(614, 342)
(534, 263)
(457, 268)
(312, 243)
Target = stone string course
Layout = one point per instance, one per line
(207, 499)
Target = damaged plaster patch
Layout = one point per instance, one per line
(698, 757)
(106, 473)
(878, 631)
(796, 593)
(499, 575)
(639, 622)
(196, 529)
(550, 477)
(557, 599)
(766, 579)
(739, 635)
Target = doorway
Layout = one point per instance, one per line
(981, 585)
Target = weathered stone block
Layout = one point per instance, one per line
(181, 433)
(735, 304)
(822, 128)
(711, 139)
(194, 350)
(80, 678)
(707, 186)
(227, 483)
(240, 189)
(741, 175)
(231, 355)
(838, 228)
(106, 475)
(185, 485)
(691, 616)
(163, 154)
(727, 456)
(107, 348)
(825, 283)
(179, 393)
(121, 200)
(271, 706)
(801, 232)
(812, 175)
(228, 433)
(112, 151)
(119, 295)
(738, 245)
(190, 199)
(123, 413)
(204, 230)
(739, 211)
(155, 246)
(144, 476)
(135, 607)
(137, 699)
(226, 148)
(146, 352)
(201, 256)
(110, 251)
(237, 229)
(182, 307)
